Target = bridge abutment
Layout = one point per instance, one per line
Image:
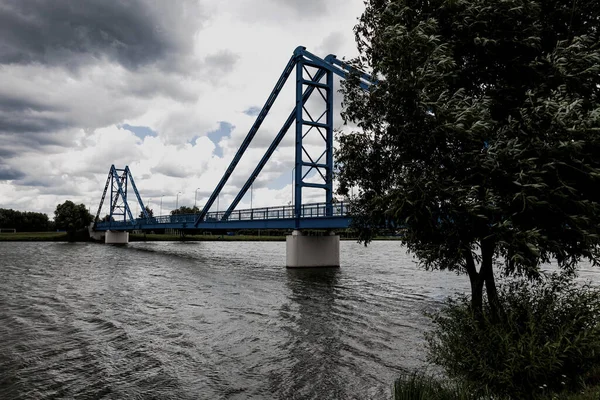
(112, 237)
(312, 251)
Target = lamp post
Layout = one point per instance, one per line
(177, 201)
(195, 196)
(161, 203)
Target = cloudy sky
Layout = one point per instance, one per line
(169, 88)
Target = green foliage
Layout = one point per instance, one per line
(185, 210)
(482, 137)
(547, 341)
(72, 217)
(24, 221)
(149, 211)
(418, 386)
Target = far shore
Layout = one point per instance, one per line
(151, 237)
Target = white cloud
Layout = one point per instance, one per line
(59, 122)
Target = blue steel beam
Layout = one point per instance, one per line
(122, 193)
(103, 196)
(334, 222)
(343, 69)
(298, 146)
(114, 193)
(322, 67)
(330, 65)
(282, 132)
(329, 146)
(312, 216)
(137, 194)
(261, 116)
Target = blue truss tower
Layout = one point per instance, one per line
(118, 180)
(312, 73)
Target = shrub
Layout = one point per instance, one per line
(419, 386)
(547, 339)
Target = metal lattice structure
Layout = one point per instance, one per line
(119, 180)
(320, 79)
(313, 74)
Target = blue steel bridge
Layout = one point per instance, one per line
(312, 216)
(314, 82)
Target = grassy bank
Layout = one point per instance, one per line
(419, 386)
(34, 237)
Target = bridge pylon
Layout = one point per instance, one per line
(119, 180)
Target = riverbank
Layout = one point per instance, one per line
(34, 237)
(152, 237)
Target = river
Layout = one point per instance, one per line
(210, 320)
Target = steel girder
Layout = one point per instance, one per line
(323, 67)
(118, 180)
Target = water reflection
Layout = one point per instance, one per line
(314, 336)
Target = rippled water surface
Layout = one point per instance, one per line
(209, 320)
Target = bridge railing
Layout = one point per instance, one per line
(315, 210)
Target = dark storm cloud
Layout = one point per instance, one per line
(8, 173)
(63, 36)
(13, 103)
(23, 122)
(71, 32)
(35, 182)
(7, 153)
(13, 144)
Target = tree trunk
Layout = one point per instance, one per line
(476, 285)
(487, 275)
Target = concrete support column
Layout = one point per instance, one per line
(312, 251)
(112, 237)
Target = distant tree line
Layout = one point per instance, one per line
(25, 221)
(68, 216)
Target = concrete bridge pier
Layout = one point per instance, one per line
(312, 251)
(115, 237)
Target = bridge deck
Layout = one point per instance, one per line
(313, 216)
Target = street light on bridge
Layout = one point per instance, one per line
(161, 204)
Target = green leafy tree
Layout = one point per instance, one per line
(482, 137)
(149, 211)
(185, 210)
(72, 217)
(24, 221)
